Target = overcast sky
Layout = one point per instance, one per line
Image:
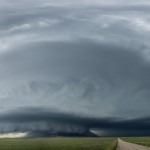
(79, 60)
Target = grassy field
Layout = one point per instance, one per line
(138, 140)
(59, 144)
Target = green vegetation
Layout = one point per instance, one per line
(59, 144)
(138, 140)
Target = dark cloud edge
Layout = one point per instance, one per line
(60, 123)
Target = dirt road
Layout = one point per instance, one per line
(129, 146)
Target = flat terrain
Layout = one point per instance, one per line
(122, 145)
(59, 144)
(138, 140)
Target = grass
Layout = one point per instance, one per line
(138, 140)
(59, 144)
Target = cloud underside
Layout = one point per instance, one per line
(42, 122)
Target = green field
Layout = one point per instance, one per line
(59, 144)
(138, 140)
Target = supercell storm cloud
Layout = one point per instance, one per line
(70, 67)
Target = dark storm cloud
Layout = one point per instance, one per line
(42, 120)
(80, 58)
(96, 76)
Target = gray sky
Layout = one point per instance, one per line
(87, 58)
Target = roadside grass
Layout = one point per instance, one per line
(59, 143)
(138, 140)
